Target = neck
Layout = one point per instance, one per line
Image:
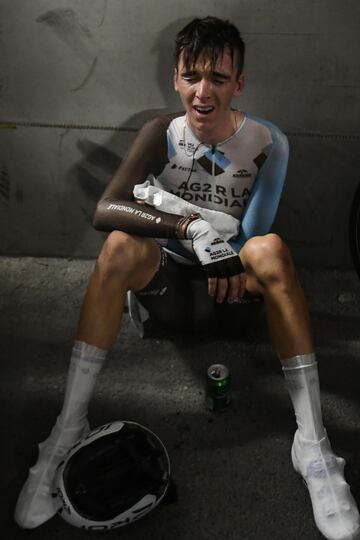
(215, 136)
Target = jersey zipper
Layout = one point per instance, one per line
(213, 148)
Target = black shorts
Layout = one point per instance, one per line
(177, 298)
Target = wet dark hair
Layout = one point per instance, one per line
(210, 34)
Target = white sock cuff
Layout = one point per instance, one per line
(299, 362)
(90, 353)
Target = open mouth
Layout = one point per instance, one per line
(203, 110)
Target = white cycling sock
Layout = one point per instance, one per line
(85, 364)
(302, 381)
(35, 504)
(335, 511)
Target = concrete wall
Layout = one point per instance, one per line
(79, 78)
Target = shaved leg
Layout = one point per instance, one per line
(125, 263)
(271, 273)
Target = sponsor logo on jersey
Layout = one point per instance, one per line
(242, 173)
(183, 169)
(225, 196)
(190, 147)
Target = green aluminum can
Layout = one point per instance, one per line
(218, 387)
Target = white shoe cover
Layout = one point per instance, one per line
(35, 504)
(335, 511)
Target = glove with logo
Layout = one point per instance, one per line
(215, 255)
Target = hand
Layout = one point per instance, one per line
(215, 255)
(232, 288)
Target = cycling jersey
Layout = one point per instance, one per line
(242, 176)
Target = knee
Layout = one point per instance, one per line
(119, 255)
(268, 258)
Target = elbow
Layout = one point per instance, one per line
(97, 221)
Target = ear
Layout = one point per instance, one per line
(239, 85)
(176, 73)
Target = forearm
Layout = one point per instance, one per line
(134, 218)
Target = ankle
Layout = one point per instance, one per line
(315, 439)
(70, 424)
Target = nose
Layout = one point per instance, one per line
(203, 89)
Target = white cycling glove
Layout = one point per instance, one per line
(216, 256)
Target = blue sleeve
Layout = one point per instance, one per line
(262, 205)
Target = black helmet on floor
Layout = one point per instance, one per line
(113, 476)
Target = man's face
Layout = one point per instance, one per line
(206, 92)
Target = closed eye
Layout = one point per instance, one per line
(215, 77)
(220, 79)
(190, 78)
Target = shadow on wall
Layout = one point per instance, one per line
(163, 49)
(87, 180)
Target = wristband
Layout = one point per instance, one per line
(183, 223)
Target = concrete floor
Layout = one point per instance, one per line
(232, 470)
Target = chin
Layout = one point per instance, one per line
(202, 121)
